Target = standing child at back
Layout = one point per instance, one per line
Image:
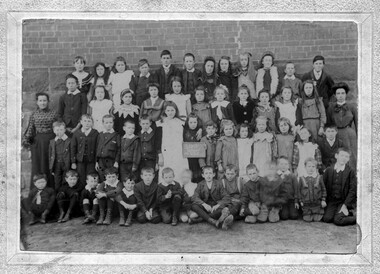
(209, 77)
(100, 105)
(290, 80)
(265, 108)
(201, 108)
(288, 107)
(246, 73)
(101, 77)
(243, 106)
(267, 75)
(119, 79)
(221, 109)
(126, 112)
(226, 77)
(139, 82)
(264, 148)
(181, 100)
(244, 142)
(190, 75)
(154, 105)
(84, 78)
(285, 140)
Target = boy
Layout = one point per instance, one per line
(211, 201)
(146, 196)
(72, 105)
(291, 81)
(329, 145)
(140, 81)
(127, 200)
(340, 181)
(190, 75)
(150, 139)
(164, 74)
(154, 105)
(40, 200)
(83, 148)
(250, 199)
(311, 195)
(322, 81)
(188, 189)
(210, 141)
(59, 153)
(108, 147)
(68, 193)
(88, 198)
(290, 184)
(130, 150)
(233, 186)
(106, 193)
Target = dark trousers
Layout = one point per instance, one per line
(234, 208)
(125, 170)
(332, 214)
(68, 200)
(288, 211)
(204, 214)
(127, 211)
(105, 203)
(104, 163)
(167, 211)
(141, 218)
(84, 168)
(59, 173)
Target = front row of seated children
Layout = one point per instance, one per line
(330, 197)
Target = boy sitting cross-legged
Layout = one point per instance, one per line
(250, 196)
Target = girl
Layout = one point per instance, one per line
(304, 149)
(243, 107)
(246, 73)
(100, 105)
(181, 100)
(244, 141)
(201, 108)
(101, 76)
(209, 77)
(119, 79)
(220, 108)
(226, 152)
(126, 111)
(226, 78)
(313, 110)
(288, 107)
(265, 108)
(267, 75)
(190, 134)
(172, 136)
(285, 140)
(84, 77)
(264, 147)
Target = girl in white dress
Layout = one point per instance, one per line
(172, 136)
(100, 105)
(288, 107)
(181, 100)
(244, 142)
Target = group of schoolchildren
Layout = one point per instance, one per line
(124, 147)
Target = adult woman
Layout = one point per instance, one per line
(343, 115)
(38, 134)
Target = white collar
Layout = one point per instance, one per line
(153, 100)
(75, 92)
(89, 188)
(314, 175)
(331, 142)
(148, 131)
(243, 103)
(171, 183)
(191, 70)
(339, 168)
(147, 75)
(224, 104)
(209, 184)
(317, 73)
(290, 77)
(340, 104)
(128, 193)
(111, 131)
(279, 172)
(166, 67)
(64, 137)
(126, 137)
(125, 110)
(86, 132)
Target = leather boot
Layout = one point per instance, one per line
(129, 219)
(213, 222)
(122, 217)
(67, 216)
(43, 217)
(108, 219)
(86, 217)
(101, 215)
(33, 219)
(225, 213)
(95, 209)
(61, 213)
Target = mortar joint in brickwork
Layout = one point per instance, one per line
(237, 37)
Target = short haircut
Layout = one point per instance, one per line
(345, 149)
(167, 170)
(131, 177)
(143, 62)
(331, 126)
(59, 124)
(166, 52)
(318, 58)
(147, 170)
(250, 167)
(107, 116)
(156, 85)
(207, 168)
(289, 62)
(86, 116)
(110, 171)
(71, 76)
(129, 121)
(310, 160)
(81, 58)
(39, 177)
(93, 175)
(38, 94)
(71, 173)
(189, 54)
(211, 124)
(231, 167)
(145, 117)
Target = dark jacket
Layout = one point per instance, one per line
(163, 81)
(217, 192)
(78, 146)
(250, 192)
(272, 193)
(324, 85)
(47, 198)
(311, 190)
(108, 146)
(197, 74)
(139, 86)
(150, 144)
(146, 200)
(162, 190)
(227, 112)
(210, 151)
(66, 154)
(130, 151)
(110, 191)
(71, 108)
(328, 152)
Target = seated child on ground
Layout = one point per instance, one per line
(233, 185)
(249, 197)
(127, 200)
(188, 189)
(88, 198)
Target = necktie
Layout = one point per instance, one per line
(38, 197)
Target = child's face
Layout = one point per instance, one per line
(71, 181)
(330, 133)
(111, 178)
(228, 131)
(252, 174)
(224, 64)
(153, 91)
(308, 88)
(170, 112)
(193, 123)
(209, 67)
(99, 93)
(208, 175)
(129, 128)
(79, 65)
(310, 168)
(168, 177)
(290, 70)
(261, 125)
(304, 135)
(287, 94)
(176, 86)
(210, 130)
(264, 98)
(145, 124)
(189, 62)
(144, 69)
(284, 127)
(108, 123)
(186, 178)
(243, 132)
(92, 182)
(86, 123)
(342, 157)
(267, 61)
(283, 165)
(230, 174)
(129, 185)
(42, 102)
(271, 172)
(127, 99)
(244, 60)
(318, 65)
(120, 66)
(219, 94)
(59, 131)
(147, 177)
(100, 71)
(243, 95)
(199, 95)
(340, 95)
(40, 183)
(71, 84)
(166, 60)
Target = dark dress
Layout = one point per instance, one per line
(227, 79)
(190, 135)
(86, 84)
(124, 113)
(243, 114)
